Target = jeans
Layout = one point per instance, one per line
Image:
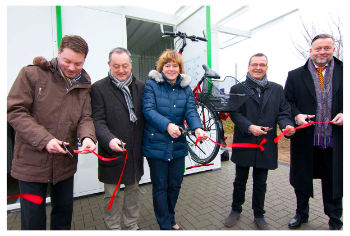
(166, 183)
(259, 189)
(33, 216)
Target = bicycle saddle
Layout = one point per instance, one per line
(210, 73)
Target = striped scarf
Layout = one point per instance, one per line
(323, 131)
(123, 86)
(69, 81)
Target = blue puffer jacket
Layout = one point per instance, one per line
(163, 103)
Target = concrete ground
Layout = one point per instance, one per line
(204, 202)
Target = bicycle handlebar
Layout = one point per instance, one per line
(202, 39)
(183, 36)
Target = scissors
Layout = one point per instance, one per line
(263, 129)
(66, 149)
(181, 130)
(307, 118)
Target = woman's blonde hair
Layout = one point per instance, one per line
(170, 56)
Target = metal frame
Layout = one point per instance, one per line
(241, 35)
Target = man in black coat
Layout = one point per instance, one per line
(315, 91)
(255, 120)
(117, 113)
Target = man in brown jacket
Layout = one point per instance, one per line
(49, 108)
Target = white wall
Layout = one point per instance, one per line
(29, 34)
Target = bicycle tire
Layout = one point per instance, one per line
(205, 151)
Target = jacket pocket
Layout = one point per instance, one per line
(29, 156)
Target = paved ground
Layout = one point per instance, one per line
(204, 202)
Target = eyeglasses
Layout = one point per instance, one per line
(256, 65)
(65, 148)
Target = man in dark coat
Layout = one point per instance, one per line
(315, 91)
(255, 120)
(117, 113)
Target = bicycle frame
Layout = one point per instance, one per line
(197, 90)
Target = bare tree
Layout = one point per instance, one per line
(309, 32)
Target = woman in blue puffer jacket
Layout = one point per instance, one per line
(167, 101)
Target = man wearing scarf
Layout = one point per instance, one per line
(116, 110)
(315, 91)
(254, 121)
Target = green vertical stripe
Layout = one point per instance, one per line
(208, 36)
(59, 25)
(208, 43)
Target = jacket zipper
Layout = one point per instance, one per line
(39, 93)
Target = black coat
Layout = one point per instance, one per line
(111, 118)
(301, 94)
(268, 111)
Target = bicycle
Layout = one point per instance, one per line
(204, 152)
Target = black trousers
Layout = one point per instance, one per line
(322, 159)
(33, 216)
(259, 189)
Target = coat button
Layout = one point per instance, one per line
(174, 105)
(173, 89)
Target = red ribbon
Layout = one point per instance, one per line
(38, 199)
(299, 127)
(242, 145)
(30, 197)
(110, 159)
(191, 167)
(99, 156)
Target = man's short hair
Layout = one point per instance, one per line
(258, 55)
(119, 50)
(322, 36)
(75, 43)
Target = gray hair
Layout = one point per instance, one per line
(119, 50)
(322, 36)
(258, 55)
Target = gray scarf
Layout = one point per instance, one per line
(258, 85)
(123, 86)
(261, 83)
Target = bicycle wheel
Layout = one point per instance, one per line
(205, 151)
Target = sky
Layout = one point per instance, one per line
(277, 40)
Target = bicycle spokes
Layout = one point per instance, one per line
(205, 151)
